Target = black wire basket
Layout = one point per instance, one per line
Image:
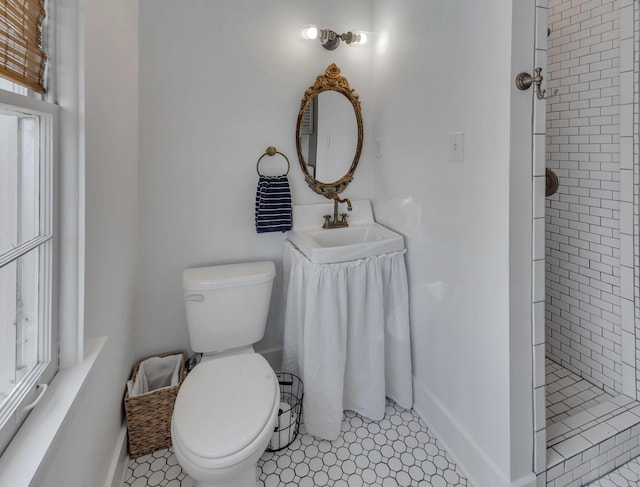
(290, 413)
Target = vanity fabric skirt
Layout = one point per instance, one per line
(347, 336)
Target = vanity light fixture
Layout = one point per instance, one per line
(330, 40)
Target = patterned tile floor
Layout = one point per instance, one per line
(628, 475)
(397, 451)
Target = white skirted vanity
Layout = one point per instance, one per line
(346, 296)
(346, 323)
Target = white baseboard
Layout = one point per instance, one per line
(473, 462)
(529, 480)
(119, 461)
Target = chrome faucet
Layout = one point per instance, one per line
(337, 223)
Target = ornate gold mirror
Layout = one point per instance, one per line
(329, 133)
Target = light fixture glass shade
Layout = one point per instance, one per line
(360, 38)
(309, 32)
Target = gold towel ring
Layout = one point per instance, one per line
(271, 151)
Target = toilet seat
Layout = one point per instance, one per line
(223, 406)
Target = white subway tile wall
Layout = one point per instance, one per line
(594, 462)
(538, 248)
(581, 417)
(592, 235)
(583, 277)
(630, 155)
(567, 395)
(628, 198)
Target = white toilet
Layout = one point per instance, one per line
(226, 408)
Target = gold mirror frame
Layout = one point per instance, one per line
(330, 81)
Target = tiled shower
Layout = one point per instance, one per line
(591, 239)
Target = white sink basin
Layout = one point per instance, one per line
(357, 241)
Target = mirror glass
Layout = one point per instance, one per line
(329, 139)
(329, 133)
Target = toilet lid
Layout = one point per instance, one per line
(224, 404)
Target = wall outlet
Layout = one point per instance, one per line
(456, 146)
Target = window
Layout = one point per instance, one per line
(28, 342)
(28, 236)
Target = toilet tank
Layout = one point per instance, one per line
(227, 305)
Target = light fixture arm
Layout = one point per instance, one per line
(350, 37)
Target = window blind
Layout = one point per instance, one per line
(22, 59)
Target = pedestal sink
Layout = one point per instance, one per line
(362, 238)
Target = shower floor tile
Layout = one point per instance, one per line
(399, 450)
(568, 394)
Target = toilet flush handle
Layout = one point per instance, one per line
(198, 298)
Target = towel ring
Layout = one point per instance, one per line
(271, 151)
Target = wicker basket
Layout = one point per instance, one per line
(149, 415)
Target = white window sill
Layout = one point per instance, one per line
(22, 459)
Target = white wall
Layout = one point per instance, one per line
(85, 447)
(201, 135)
(219, 82)
(446, 68)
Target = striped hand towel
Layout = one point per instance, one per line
(273, 204)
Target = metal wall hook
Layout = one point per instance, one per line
(525, 80)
